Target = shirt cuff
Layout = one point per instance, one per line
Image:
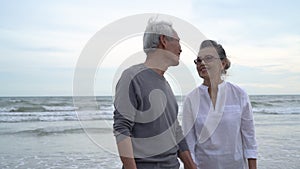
(121, 136)
(250, 154)
(183, 146)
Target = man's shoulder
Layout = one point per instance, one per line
(135, 69)
(132, 71)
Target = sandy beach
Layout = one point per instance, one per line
(56, 139)
(54, 146)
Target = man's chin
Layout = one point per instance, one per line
(175, 63)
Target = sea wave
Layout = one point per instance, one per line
(59, 108)
(38, 108)
(8, 109)
(277, 111)
(54, 116)
(27, 109)
(258, 104)
(56, 130)
(15, 100)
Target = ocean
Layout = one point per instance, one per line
(55, 133)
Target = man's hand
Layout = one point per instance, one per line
(126, 153)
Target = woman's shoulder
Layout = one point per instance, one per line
(195, 92)
(236, 88)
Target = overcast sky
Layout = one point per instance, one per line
(41, 41)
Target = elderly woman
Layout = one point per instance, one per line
(217, 116)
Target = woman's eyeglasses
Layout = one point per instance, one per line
(206, 59)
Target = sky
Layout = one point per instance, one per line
(41, 42)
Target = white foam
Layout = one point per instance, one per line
(60, 108)
(8, 109)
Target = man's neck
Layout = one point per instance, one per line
(153, 62)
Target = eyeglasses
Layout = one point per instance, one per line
(206, 59)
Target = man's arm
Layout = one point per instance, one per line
(125, 103)
(126, 153)
(186, 158)
(183, 152)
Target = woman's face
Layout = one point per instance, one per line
(209, 64)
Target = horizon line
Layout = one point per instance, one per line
(113, 96)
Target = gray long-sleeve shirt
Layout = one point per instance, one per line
(146, 110)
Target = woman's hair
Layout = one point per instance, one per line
(220, 50)
(153, 31)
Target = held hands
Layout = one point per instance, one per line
(187, 160)
(193, 166)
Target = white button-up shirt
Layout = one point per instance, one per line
(220, 137)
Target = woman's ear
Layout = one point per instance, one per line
(223, 64)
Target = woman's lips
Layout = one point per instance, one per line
(203, 69)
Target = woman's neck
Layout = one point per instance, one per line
(212, 83)
(212, 88)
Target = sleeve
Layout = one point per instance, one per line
(247, 130)
(125, 107)
(180, 138)
(188, 126)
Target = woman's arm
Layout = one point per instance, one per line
(248, 133)
(187, 160)
(188, 126)
(252, 163)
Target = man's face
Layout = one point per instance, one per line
(173, 46)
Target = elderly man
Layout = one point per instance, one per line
(145, 118)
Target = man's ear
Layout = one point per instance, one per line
(162, 39)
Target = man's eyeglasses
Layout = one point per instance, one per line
(206, 59)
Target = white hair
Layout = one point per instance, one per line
(153, 31)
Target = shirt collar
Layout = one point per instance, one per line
(221, 85)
